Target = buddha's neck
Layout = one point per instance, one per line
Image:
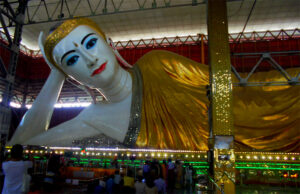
(119, 88)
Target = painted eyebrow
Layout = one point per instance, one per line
(86, 37)
(71, 51)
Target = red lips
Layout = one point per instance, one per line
(100, 69)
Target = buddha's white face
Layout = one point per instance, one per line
(84, 55)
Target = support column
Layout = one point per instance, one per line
(221, 96)
(14, 47)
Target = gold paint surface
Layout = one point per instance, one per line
(174, 113)
(267, 118)
(220, 69)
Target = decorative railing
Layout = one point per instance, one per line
(185, 40)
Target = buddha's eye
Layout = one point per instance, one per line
(91, 43)
(72, 60)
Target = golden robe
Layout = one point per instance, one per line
(174, 107)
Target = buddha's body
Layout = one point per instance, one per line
(109, 119)
(173, 111)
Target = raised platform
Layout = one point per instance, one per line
(251, 167)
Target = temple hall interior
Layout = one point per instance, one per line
(150, 96)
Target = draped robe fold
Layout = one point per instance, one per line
(174, 107)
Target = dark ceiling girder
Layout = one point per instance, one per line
(11, 11)
(10, 17)
(5, 28)
(2, 67)
(62, 9)
(14, 48)
(14, 45)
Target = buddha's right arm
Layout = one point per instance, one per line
(37, 119)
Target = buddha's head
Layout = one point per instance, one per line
(79, 49)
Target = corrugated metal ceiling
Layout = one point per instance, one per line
(161, 22)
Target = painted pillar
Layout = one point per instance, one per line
(221, 96)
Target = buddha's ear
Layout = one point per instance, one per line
(117, 54)
(42, 40)
(56, 59)
(110, 43)
(41, 45)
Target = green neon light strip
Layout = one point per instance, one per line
(191, 166)
(95, 159)
(266, 168)
(267, 163)
(198, 172)
(196, 162)
(36, 157)
(200, 166)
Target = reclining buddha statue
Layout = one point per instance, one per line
(160, 102)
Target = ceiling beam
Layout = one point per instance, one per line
(62, 10)
(3, 68)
